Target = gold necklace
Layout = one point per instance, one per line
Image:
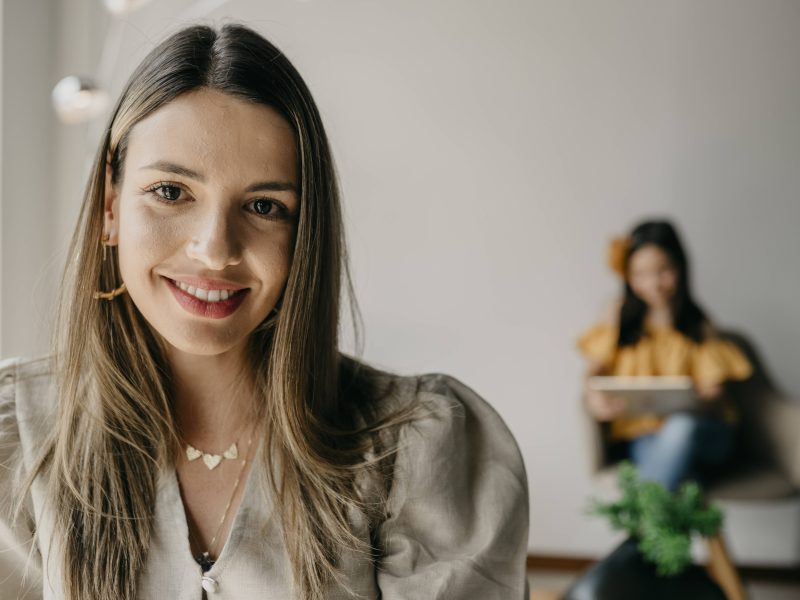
(211, 460)
(204, 558)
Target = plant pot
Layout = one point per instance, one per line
(626, 575)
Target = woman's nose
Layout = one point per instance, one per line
(215, 242)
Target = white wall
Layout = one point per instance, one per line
(489, 149)
(28, 54)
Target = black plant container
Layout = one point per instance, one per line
(626, 575)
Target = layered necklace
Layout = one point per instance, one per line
(212, 461)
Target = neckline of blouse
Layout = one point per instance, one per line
(179, 542)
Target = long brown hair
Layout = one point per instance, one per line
(115, 426)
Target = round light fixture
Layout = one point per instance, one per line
(77, 99)
(121, 7)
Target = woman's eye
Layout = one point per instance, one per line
(264, 207)
(166, 191)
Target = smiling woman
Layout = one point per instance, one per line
(198, 320)
(182, 218)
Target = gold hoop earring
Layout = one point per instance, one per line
(112, 294)
(99, 295)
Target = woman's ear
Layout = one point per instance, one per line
(110, 210)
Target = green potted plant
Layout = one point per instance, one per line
(661, 522)
(655, 561)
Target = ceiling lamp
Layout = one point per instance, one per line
(77, 99)
(121, 7)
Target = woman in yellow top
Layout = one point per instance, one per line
(656, 330)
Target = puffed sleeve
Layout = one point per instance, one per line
(457, 524)
(599, 343)
(716, 360)
(20, 568)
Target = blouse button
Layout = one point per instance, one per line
(210, 585)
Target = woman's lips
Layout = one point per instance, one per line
(201, 308)
(206, 283)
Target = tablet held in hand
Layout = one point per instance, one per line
(649, 395)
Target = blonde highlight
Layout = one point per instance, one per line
(324, 432)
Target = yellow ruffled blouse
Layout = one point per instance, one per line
(663, 351)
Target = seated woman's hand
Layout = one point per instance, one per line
(708, 393)
(603, 406)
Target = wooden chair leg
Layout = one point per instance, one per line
(545, 595)
(721, 568)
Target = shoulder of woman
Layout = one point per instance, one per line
(387, 392)
(24, 376)
(444, 394)
(21, 369)
(450, 418)
(27, 399)
(432, 413)
(456, 461)
(20, 561)
(598, 343)
(709, 331)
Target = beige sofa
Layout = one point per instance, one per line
(759, 491)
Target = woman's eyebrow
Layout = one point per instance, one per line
(272, 186)
(171, 167)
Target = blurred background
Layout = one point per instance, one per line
(488, 150)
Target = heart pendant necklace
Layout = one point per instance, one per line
(211, 460)
(204, 558)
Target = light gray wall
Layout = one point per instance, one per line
(28, 54)
(75, 145)
(487, 152)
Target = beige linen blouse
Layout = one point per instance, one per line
(457, 525)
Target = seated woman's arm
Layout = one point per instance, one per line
(601, 405)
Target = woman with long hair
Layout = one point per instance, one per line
(657, 329)
(196, 430)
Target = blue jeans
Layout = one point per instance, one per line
(685, 444)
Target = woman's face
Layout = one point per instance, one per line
(652, 276)
(205, 218)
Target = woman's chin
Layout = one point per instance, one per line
(204, 345)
